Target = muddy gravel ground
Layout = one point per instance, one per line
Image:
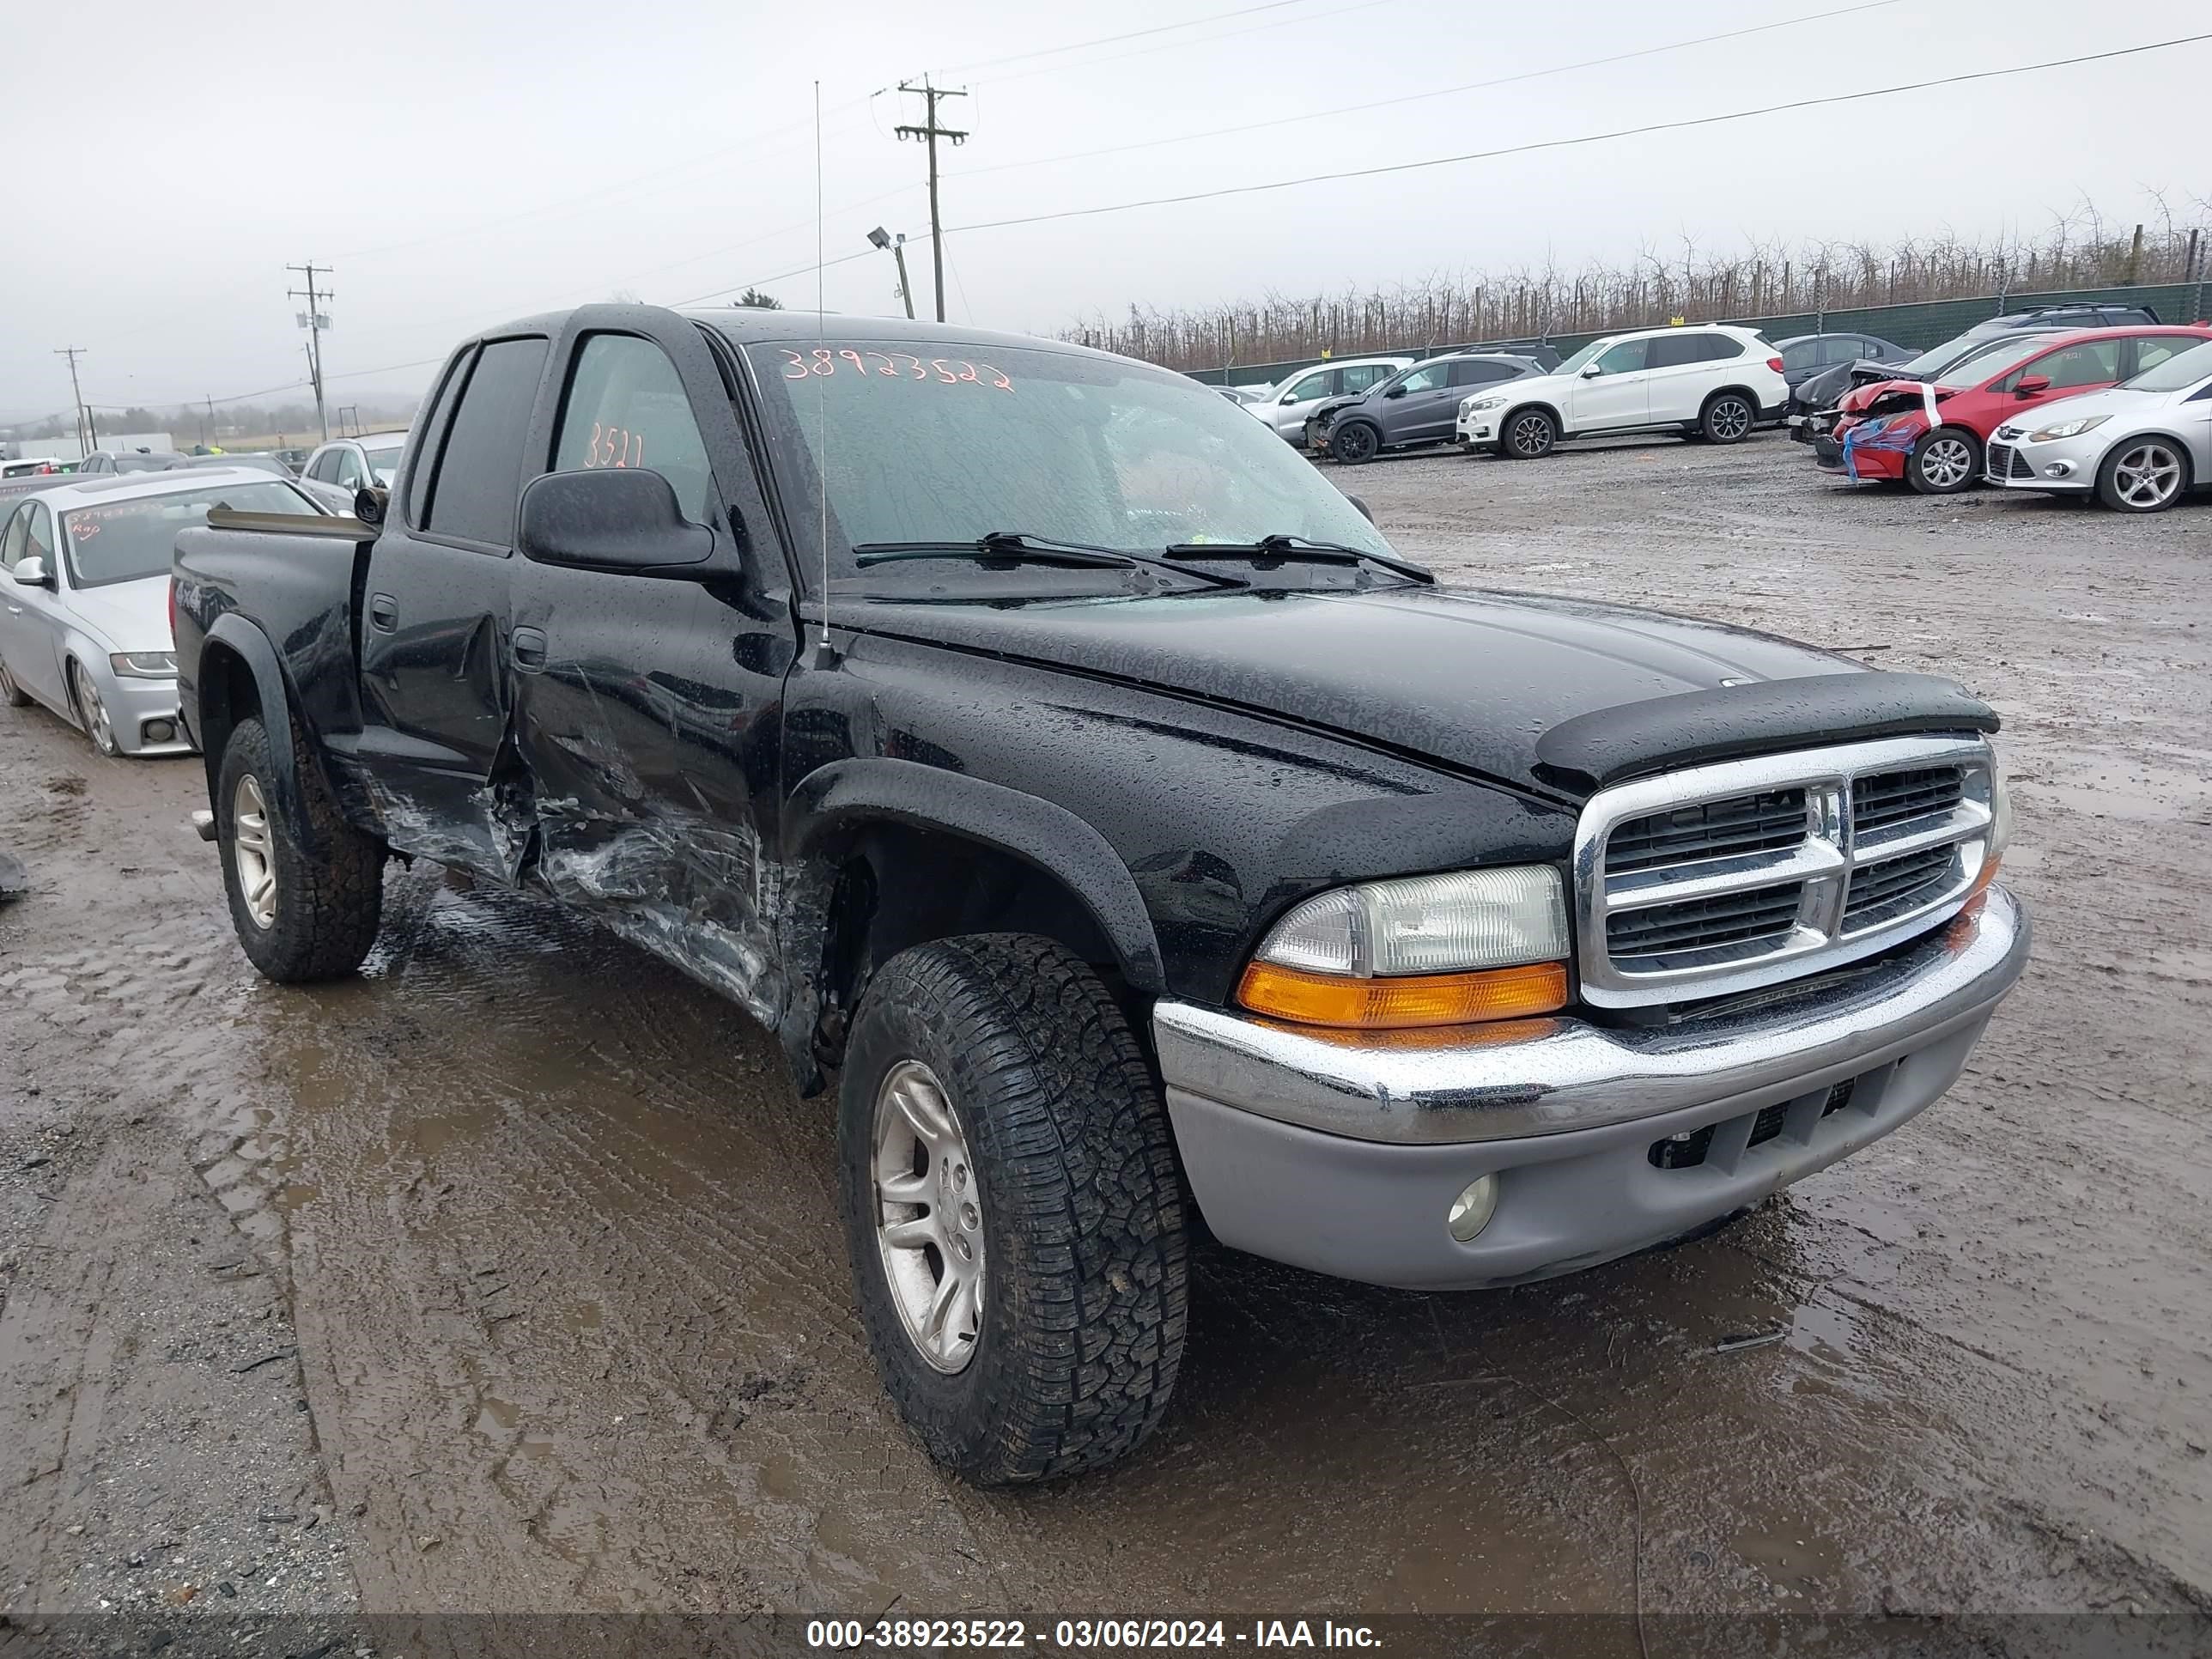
(506, 1278)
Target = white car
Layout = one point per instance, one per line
(84, 597)
(2141, 445)
(1305, 390)
(348, 465)
(1714, 381)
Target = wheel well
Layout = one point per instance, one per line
(1558, 424)
(898, 885)
(229, 693)
(2188, 461)
(1742, 392)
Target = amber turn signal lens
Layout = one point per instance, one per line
(1983, 877)
(1412, 1000)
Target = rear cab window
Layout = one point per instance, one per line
(473, 490)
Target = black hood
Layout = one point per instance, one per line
(1460, 676)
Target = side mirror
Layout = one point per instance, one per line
(614, 518)
(369, 503)
(1290, 397)
(1395, 391)
(32, 573)
(1591, 371)
(2031, 384)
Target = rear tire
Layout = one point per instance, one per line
(1355, 444)
(2143, 475)
(300, 916)
(1727, 418)
(1528, 434)
(1002, 1149)
(1944, 461)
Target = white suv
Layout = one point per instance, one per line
(1301, 393)
(1714, 382)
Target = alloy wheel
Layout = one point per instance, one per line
(1729, 420)
(1531, 435)
(929, 1217)
(2147, 476)
(1946, 462)
(253, 851)
(95, 712)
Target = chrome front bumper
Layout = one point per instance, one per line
(1343, 1154)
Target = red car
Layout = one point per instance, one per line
(1883, 434)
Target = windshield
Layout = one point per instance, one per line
(384, 459)
(1997, 358)
(1574, 364)
(1061, 446)
(2184, 368)
(129, 541)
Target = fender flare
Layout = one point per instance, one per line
(244, 639)
(1027, 827)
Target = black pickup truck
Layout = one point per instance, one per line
(1051, 757)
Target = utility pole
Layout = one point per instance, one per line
(77, 395)
(206, 426)
(929, 132)
(314, 320)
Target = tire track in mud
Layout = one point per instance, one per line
(634, 1317)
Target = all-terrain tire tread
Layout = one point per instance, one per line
(329, 907)
(1068, 1127)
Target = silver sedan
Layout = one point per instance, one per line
(84, 597)
(2140, 445)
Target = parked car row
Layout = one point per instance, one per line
(1966, 423)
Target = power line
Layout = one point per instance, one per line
(1335, 14)
(762, 282)
(1417, 97)
(1570, 143)
(1109, 39)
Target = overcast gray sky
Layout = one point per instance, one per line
(464, 162)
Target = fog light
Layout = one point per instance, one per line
(160, 730)
(2057, 469)
(1470, 1210)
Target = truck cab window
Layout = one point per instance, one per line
(626, 407)
(479, 473)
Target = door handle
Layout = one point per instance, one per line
(384, 613)
(529, 650)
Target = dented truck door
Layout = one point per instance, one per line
(648, 706)
(434, 618)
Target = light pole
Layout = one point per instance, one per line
(881, 238)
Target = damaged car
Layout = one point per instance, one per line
(1932, 435)
(1115, 828)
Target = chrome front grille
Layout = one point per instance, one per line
(1729, 877)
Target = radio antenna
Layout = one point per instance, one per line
(824, 656)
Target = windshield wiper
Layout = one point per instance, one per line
(1015, 546)
(1302, 550)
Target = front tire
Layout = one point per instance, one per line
(300, 916)
(1727, 418)
(2143, 475)
(1529, 436)
(10, 693)
(1355, 444)
(1013, 1209)
(1944, 461)
(92, 711)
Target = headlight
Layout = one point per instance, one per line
(2000, 835)
(144, 664)
(2072, 428)
(1427, 951)
(1476, 405)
